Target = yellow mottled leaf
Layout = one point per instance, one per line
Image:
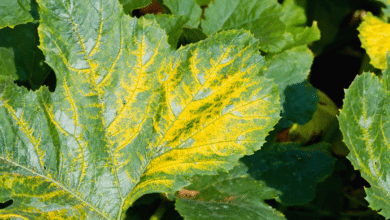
(374, 35)
(129, 115)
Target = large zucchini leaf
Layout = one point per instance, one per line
(364, 122)
(129, 115)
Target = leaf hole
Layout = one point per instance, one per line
(6, 204)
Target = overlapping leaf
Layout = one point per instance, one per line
(386, 9)
(14, 12)
(233, 195)
(29, 60)
(7, 64)
(130, 5)
(289, 67)
(129, 115)
(172, 24)
(262, 18)
(188, 8)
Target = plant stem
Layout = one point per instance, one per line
(160, 211)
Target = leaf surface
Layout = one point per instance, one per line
(187, 8)
(262, 18)
(130, 116)
(365, 125)
(29, 59)
(14, 12)
(291, 169)
(233, 195)
(289, 67)
(374, 35)
(7, 64)
(172, 24)
(130, 5)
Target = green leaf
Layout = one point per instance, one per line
(191, 35)
(202, 2)
(294, 14)
(7, 65)
(172, 25)
(329, 14)
(233, 195)
(323, 117)
(364, 123)
(386, 9)
(130, 5)
(289, 67)
(295, 19)
(14, 12)
(187, 8)
(291, 169)
(301, 101)
(261, 17)
(129, 116)
(29, 59)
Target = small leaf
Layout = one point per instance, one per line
(233, 195)
(187, 8)
(291, 169)
(14, 12)
(374, 35)
(172, 25)
(289, 67)
(261, 17)
(7, 64)
(130, 5)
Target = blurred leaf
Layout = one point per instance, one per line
(29, 59)
(187, 8)
(293, 14)
(289, 67)
(191, 35)
(203, 2)
(386, 9)
(261, 17)
(300, 103)
(325, 113)
(291, 169)
(14, 12)
(374, 35)
(329, 14)
(7, 64)
(233, 195)
(130, 5)
(172, 25)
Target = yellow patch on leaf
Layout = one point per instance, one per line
(374, 35)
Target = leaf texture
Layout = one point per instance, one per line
(188, 8)
(227, 196)
(14, 12)
(364, 123)
(129, 115)
(7, 64)
(374, 35)
(262, 18)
